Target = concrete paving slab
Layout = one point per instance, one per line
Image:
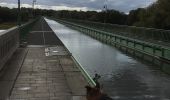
(67, 61)
(56, 50)
(40, 76)
(42, 34)
(50, 77)
(53, 77)
(76, 82)
(74, 78)
(70, 69)
(9, 74)
(79, 98)
(5, 88)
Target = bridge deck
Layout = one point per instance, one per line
(46, 73)
(48, 77)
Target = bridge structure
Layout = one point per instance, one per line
(149, 44)
(35, 64)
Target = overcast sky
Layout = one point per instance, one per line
(121, 5)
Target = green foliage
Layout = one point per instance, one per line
(10, 15)
(156, 15)
(7, 25)
(133, 16)
(109, 16)
(6, 14)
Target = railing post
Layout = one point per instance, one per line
(19, 13)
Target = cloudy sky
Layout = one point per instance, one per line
(121, 5)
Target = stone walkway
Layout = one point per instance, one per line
(45, 71)
(49, 77)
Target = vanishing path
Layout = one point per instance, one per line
(48, 71)
(123, 77)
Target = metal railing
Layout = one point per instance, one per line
(154, 53)
(155, 50)
(10, 40)
(159, 36)
(25, 28)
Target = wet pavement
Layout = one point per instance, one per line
(48, 77)
(9, 73)
(123, 77)
(42, 34)
(45, 71)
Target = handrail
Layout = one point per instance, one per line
(9, 42)
(165, 50)
(148, 28)
(157, 45)
(131, 31)
(81, 68)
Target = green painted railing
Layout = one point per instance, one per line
(155, 50)
(81, 68)
(146, 34)
(84, 72)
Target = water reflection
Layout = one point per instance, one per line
(123, 77)
(1, 31)
(127, 86)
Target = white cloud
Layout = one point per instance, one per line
(61, 7)
(12, 5)
(121, 5)
(45, 7)
(92, 0)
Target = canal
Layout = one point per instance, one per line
(122, 77)
(2, 30)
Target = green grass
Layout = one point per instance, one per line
(7, 25)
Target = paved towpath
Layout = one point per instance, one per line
(48, 71)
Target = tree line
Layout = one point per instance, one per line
(109, 16)
(11, 15)
(157, 15)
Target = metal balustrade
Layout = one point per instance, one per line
(10, 40)
(147, 34)
(155, 50)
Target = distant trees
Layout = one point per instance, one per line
(109, 16)
(10, 15)
(133, 16)
(7, 14)
(156, 15)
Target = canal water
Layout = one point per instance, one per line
(2, 30)
(122, 77)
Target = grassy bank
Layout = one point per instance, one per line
(7, 25)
